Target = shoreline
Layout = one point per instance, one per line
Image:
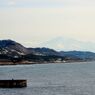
(30, 63)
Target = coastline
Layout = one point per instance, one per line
(30, 63)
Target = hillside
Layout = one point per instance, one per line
(84, 55)
(11, 51)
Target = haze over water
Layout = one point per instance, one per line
(52, 79)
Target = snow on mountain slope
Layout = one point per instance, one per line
(69, 44)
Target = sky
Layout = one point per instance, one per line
(32, 22)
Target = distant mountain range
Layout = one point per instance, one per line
(10, 47)
(69, 44)
(15, 52)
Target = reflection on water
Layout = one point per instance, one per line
(52, 79)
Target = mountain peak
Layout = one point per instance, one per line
(5, 43)
(12, 47)
(69, 44)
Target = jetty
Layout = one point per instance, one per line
(13, 83)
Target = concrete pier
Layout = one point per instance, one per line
(13, 83)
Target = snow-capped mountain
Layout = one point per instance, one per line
(69, 44)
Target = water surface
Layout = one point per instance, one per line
(51, 79)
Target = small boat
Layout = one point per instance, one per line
(13, 83)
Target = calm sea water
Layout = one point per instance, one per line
(51, 79)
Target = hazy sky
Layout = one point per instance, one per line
(36, 21)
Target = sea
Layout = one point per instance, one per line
(76, 78)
